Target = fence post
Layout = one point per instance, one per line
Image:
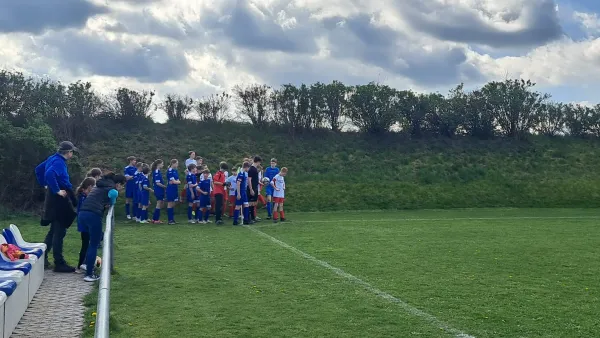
(103, 310)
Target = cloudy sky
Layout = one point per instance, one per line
(200, 47)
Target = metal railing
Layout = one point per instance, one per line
(103, 310)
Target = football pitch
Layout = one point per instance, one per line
(460, 273)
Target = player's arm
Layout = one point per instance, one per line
(158, 183)
(238, 185)
(146, 187)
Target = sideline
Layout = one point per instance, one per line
(431, 219)
(402, 304)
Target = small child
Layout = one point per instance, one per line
(159, 189)
(278, 185)
(136, 191)
(241, 202)
(96, 173)
(172, 189)
(82, 191)
(261, 198)
(192, 199)
(230, 183)
(129, 172)
(145, 194)
(92, 209)
(270, 172)
(204, 200)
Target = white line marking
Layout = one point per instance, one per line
(408, 308)
(437, 219)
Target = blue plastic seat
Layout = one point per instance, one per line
(21, 266)
(10, 239)
(8, 286)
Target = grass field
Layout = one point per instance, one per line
(481, 272)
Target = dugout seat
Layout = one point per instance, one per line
(3, 299)
(22, 243)
(34, 276)
(15, 304)
(10, 239)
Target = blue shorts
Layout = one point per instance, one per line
(172, 195)
(269, 190)
(205, 201)
(242, 201)
(145, 198)
(159, 194)
(191, 198)
(129, 191)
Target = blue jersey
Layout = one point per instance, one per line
(172, 175)
(190, 179)
(271, 172)
(158, 178)
(204, 185)
(130, 171)
(242, 177)
(144, 183)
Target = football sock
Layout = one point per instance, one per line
(127, 208)
(171, 214)
(269, 209)
(236, 215)
(252, 212)
(135, 211)
(246, 214)
(275, 215)
(282, 214)
(190, 213)
(156, 216)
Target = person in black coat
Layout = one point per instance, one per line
(60, 202)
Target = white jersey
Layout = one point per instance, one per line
(279, 183)
(189, 161)
(233, 181)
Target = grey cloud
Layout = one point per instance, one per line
(247, 30)
(149, 63)
(145, 23)
(450, 24)
(36, 16)
(357, 37)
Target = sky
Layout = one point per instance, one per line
(202, 47)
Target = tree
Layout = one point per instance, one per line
(176, 107)
(551, 120)
(479, 119)
(373, 107)
(335, 96)
(15, 93)
(514, 106)
(254, 103)
(213, 108)
(132, 106)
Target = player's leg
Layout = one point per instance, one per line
(159, 205)
(281, 212)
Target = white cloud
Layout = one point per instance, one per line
(199, 47)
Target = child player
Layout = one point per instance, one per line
(241, 201)
(231, 184)
(172, 189)
(261, 198)
(219, 191)
(192, 198)
(204, 200)
(145, 194)
(159, 189)
(130, 185)
(270, 172)
(278, 184)
(136, 195)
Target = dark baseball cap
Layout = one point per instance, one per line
(67, 146)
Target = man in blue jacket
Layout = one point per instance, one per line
(60, 202)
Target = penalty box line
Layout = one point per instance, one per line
(507, 218)
(382, 294)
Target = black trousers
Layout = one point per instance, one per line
(85, 242)
(218, 207)
(54, 241)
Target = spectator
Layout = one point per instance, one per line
(59, 203)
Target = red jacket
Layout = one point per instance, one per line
(219, 176)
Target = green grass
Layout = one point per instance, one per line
(486, 272)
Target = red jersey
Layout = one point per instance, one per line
(219, 177)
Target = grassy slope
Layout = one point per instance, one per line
(349, 171)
